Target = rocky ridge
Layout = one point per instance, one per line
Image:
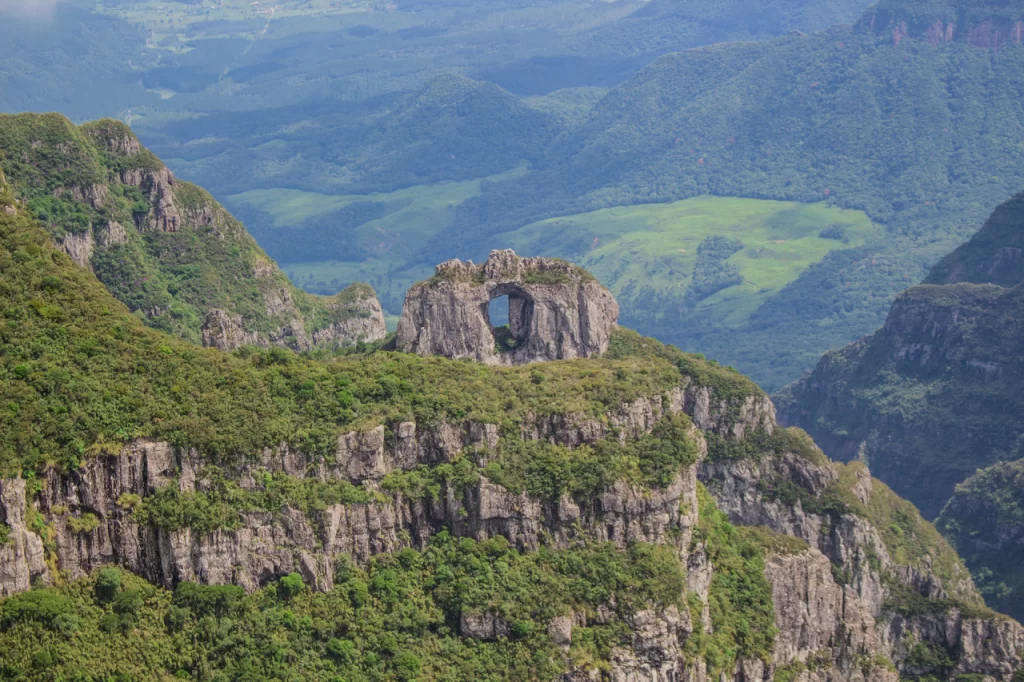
(556, 312)
(932, 395)
(118, 210)
(833, 598)
(982, 24)
(858, 586)
(984, 521)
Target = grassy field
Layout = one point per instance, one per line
(655, 245)
(634, 250)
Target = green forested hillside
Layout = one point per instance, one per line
(915, 125)
(85, 375)
(80, 377)
(163, 247)
(663, 26)
(922, 135)
(984, 520)
(83, 64)
(935, 395)
(451, 129)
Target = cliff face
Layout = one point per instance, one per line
(556, 312)
(983, 24)
(270, 544)
(164, 247)
(927, 399)
(771, 562)
(935, 395)
(932, 395)
(838, 589)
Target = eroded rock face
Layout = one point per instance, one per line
(830, 598)
(362, 319)
(848, 623)
(556, 312)
(79, 247)
(225, 332)
(267, 545)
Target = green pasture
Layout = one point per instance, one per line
(655, 245)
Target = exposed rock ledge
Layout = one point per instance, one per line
(556, 312)
(362, 320)
(827, 631)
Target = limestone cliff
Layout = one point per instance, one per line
(979, 23)
(934, 394)
(845, 595)
(556, 312)
(164, 247)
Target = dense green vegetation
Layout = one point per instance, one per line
(740, 598)
(74, 61)
(854, 117)
(398, 619)
(79, 375)
(650, 255)
(664, 26)
(549, 471)
(983, 520)
(934, 396)
(846, 117)
(988, 257)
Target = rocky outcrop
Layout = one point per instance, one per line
(942, 375)
(983, 520)
(142, 229)
(821, 624)
(831, 600)
(980, 27)
(556, 312)
(111, 234)
(362, 320)
(21, 556)
(79, 246)
(357, 312)
(158, 188)
(841, 597)
(270, 544)
(225, 332)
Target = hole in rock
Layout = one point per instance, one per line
(509, 314)
(497, 311)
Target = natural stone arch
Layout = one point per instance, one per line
(520, 315)
(557, 311)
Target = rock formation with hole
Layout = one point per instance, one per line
(557, 311)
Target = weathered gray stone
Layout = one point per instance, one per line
(487, 626)
(225, 332)
(556, 311)
(560, 630)
(79, 246)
